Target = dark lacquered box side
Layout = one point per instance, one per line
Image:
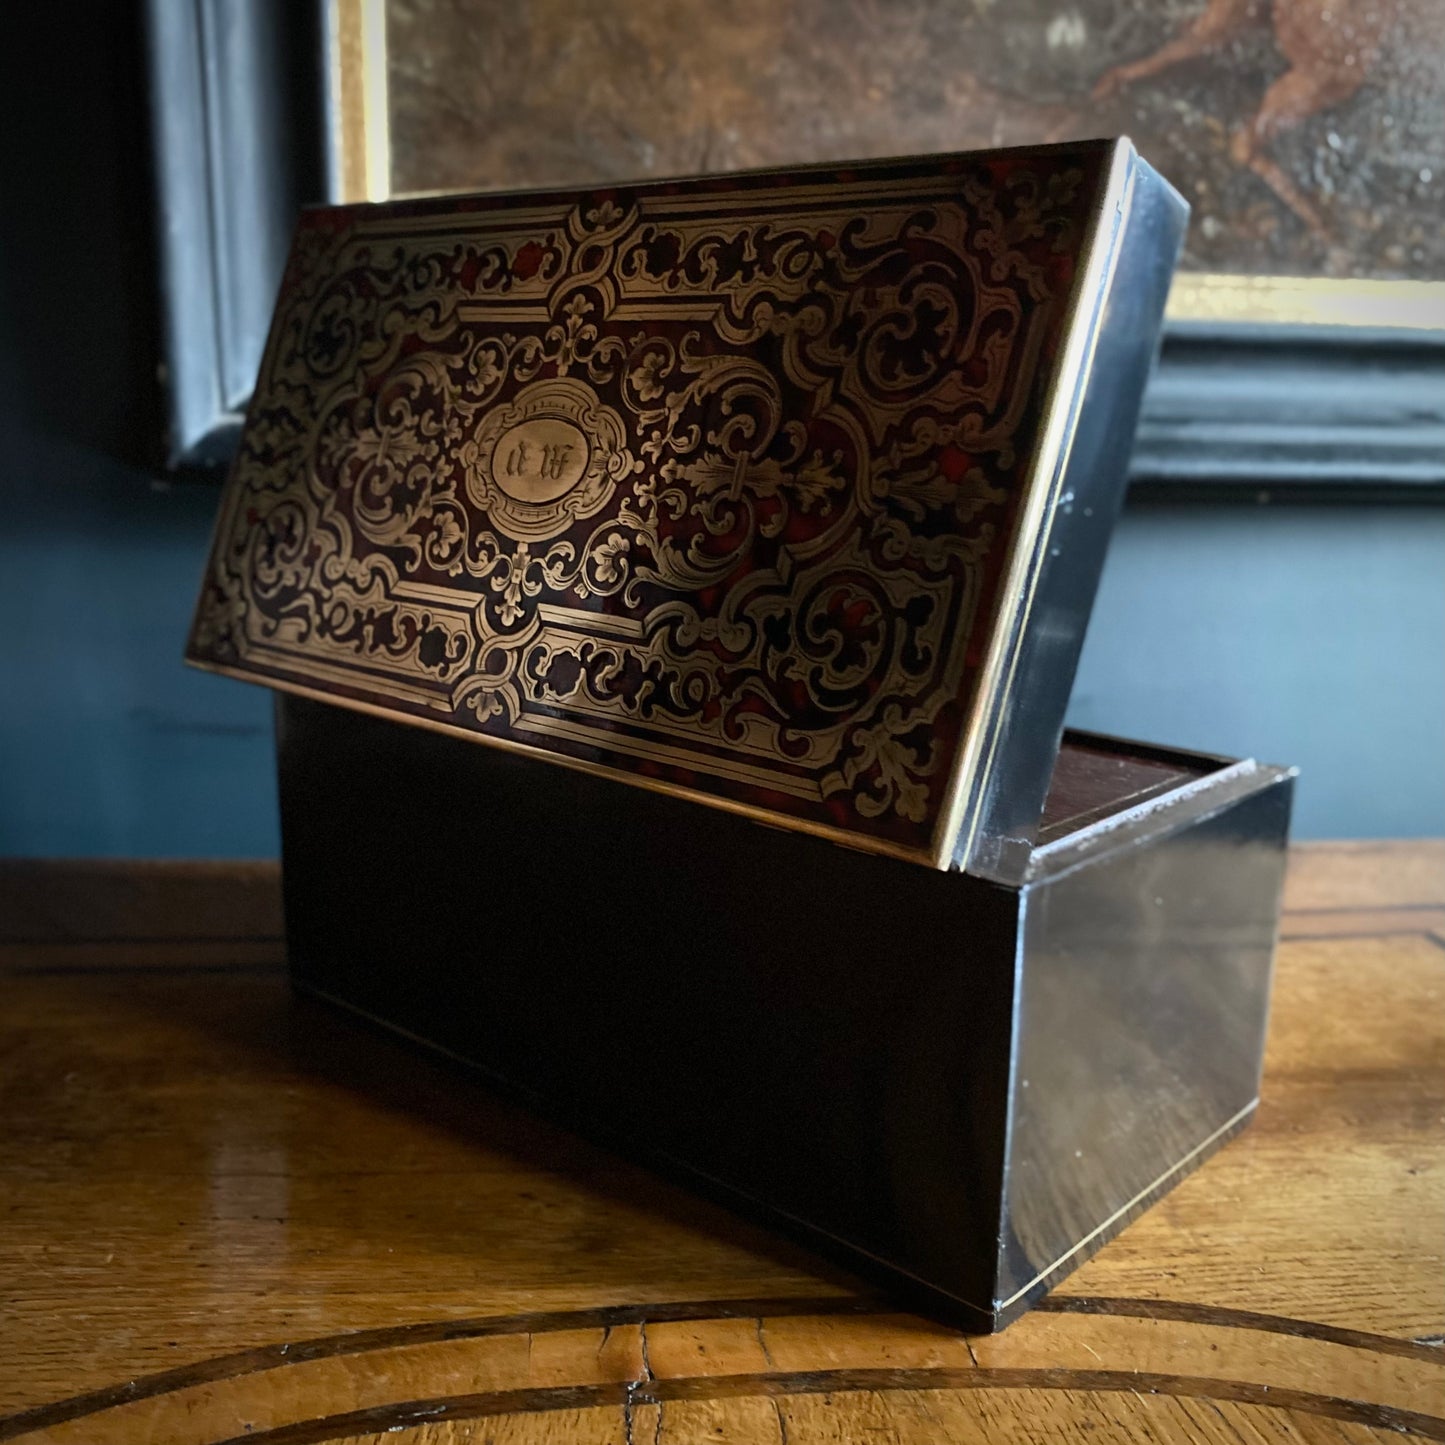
(750, 1006)
(826, 1037)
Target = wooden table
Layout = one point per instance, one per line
(229, 1215)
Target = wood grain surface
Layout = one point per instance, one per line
(228, 1215)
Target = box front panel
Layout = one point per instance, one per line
(821, 1033)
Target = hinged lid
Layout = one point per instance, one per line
(786, 492)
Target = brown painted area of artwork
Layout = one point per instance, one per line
(1306, 133)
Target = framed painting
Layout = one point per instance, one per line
(1308, 134)
(1306, 337)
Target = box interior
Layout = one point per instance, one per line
(1096, 777)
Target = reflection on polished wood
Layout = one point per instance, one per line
(226, 1214)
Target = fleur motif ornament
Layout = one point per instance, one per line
(709, 485)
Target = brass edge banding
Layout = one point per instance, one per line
(825, 168)
(859, 842)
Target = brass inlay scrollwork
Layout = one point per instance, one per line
(707, 486)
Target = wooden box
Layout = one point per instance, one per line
(753, 524)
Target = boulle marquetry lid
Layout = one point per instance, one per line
(743, 488)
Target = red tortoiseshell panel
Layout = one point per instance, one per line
(709, 485)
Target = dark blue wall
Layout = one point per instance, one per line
(108, 745)
(1305, 635)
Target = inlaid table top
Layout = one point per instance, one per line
(226, 1214)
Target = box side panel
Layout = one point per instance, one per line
(819, 1032)
(1140, 1031)
(1028, 726)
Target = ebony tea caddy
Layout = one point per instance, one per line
(752, 525)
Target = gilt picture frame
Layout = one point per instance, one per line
(1306, 380)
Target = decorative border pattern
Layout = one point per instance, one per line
(710, 485)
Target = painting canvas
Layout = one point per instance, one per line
(1309, 135)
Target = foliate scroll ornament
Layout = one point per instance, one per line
(710, 488)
